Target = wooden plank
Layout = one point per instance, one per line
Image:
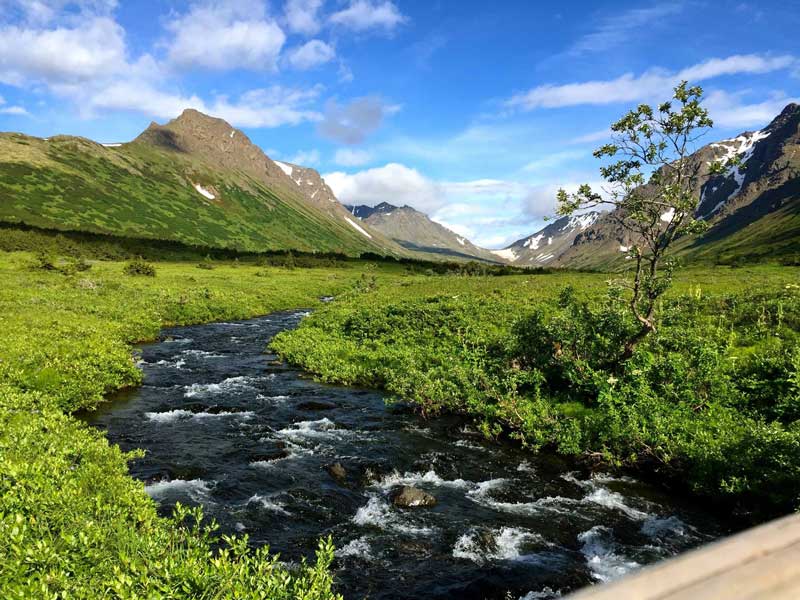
(763, 562)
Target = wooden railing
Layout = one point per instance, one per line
(762, 563)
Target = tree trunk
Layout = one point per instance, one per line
(633, 342)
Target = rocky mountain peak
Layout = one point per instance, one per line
(364, 212)
(310, 183)
(216, 141)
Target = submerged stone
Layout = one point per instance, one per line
(411, 497)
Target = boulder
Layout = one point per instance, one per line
(411, 497)
(337, 471)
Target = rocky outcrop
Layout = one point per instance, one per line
(411, 497)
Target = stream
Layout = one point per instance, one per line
(227, 427)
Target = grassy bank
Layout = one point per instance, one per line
(73, 524)
(711, 403)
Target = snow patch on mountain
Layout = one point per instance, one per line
(204, 192)
(506, 253)
(358, 227)
(285, 168)
(581, 221)
(740, 147)
(533, 241)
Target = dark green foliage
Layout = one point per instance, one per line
(709, 402)
(139, 267)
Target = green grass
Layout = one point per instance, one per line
(73, 524)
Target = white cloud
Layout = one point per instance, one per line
(594, 136)
(735, 65)
(393, 183)
(728, 110)
(655, 83)
(12, 110)
(349, 157)
(42, 12)
(94, 49)
(302, 16)
(363, 15)
(267, 107)
(223, 36)
(305, 158)
(619, 29)
(540, 200)
(353, 122)
(310, 55)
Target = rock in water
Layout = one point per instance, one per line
(411, 497)
(337, 471)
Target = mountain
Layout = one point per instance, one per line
(547, 245)
(416, 232)
(195, 180)
(753, 210)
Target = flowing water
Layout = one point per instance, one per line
(251, 440)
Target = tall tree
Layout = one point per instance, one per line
(652, 187)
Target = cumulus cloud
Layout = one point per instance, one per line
(655, 83)
(265, 107)
(363, 15)
(732, 111)
(91, 50)
(302, 16)
(393, 183)
(311, 54)
(353, 122)
(230, 35)
(349, 157)
(540, 200)
(12, 110)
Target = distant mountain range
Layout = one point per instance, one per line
(547, 245)
(753, 210)
(200, 181)
(417, 232)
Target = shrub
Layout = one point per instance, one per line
(139, 267)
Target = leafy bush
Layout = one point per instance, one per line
(139, 267)
(45, 262)
(711, 401)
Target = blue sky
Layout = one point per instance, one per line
(474, 112)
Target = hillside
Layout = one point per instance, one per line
(196, 180)
(753, 209)
(418, 233)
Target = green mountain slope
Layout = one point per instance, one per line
(196, 180)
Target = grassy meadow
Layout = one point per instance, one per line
(73, 524)
(711, 401)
